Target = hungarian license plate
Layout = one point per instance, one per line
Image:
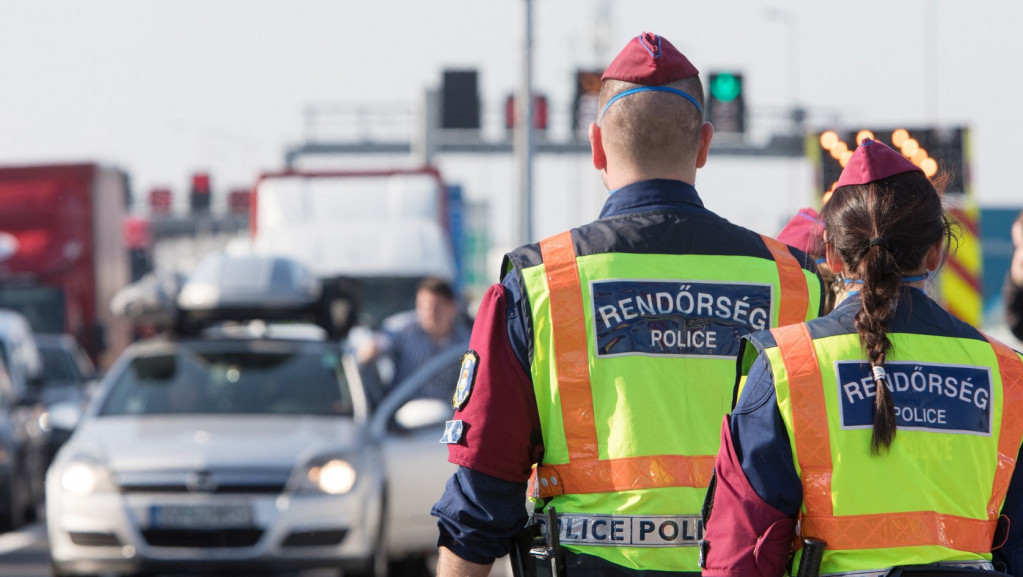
(200, 516)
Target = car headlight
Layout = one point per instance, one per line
(84, 477)
(331, 476)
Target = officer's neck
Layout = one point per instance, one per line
(617, 177)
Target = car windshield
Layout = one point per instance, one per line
(59, 365)
(249, 382)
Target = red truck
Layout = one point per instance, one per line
(69, 255)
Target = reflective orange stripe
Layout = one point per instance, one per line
(809, 415)
(795, 298)
(647, 472)
(915, 528)
(570, 358)
(1011, 368)
(874, 531)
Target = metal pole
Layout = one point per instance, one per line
(524, 128)
(424, 147)
(930, 61)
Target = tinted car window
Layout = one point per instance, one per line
(310, 383)
(59, 365)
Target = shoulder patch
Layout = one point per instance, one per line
(466, 379)
(452, 432)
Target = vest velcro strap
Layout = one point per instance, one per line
(912, 529)
(628, 473)
(795, 297)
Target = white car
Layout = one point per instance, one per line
(246, 452)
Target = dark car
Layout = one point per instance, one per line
(68, 378)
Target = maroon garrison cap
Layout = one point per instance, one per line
(651, 61)
(804, 231)
(872, 161)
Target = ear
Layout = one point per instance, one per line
(934, 256)
(597, 147)
(834, 261)
(706, 135)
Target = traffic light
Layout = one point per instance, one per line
(540, 112)
(199, 199)
(160, 201)
(587, 95)
(935, 150)
(726, 103)
(460, 100)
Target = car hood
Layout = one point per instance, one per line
(196, 441)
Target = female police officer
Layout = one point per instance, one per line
(888, 428)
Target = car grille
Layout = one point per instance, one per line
(211, 481)
(94, 539)
(210, 539)
(315, 538)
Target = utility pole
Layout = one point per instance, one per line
(524, 128)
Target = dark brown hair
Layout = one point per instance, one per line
(437, 286)
(882, 232)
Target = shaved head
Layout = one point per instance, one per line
(649, 131)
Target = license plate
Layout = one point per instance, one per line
(200, 516)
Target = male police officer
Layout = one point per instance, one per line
(605, 356)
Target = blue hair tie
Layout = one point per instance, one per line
(914, 278)
(650, 89)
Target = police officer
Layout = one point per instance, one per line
(888, 429)
(605, 356)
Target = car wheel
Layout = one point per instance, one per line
(378, 563)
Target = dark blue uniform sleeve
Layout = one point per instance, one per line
(517, 318)
(478, 515)
(761, 442)
(1010, 554)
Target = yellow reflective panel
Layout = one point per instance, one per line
(863, 135)
(899, 137)
(828, 139)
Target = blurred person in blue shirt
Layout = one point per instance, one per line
(412, 338)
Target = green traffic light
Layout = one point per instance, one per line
(725, 87)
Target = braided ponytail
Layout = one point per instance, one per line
(882, 231)
(880, 297)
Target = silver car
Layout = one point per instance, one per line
(246, 452)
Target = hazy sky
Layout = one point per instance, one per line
(165, 88)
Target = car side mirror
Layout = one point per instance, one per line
(421, 413)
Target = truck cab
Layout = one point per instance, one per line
(368, 235)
